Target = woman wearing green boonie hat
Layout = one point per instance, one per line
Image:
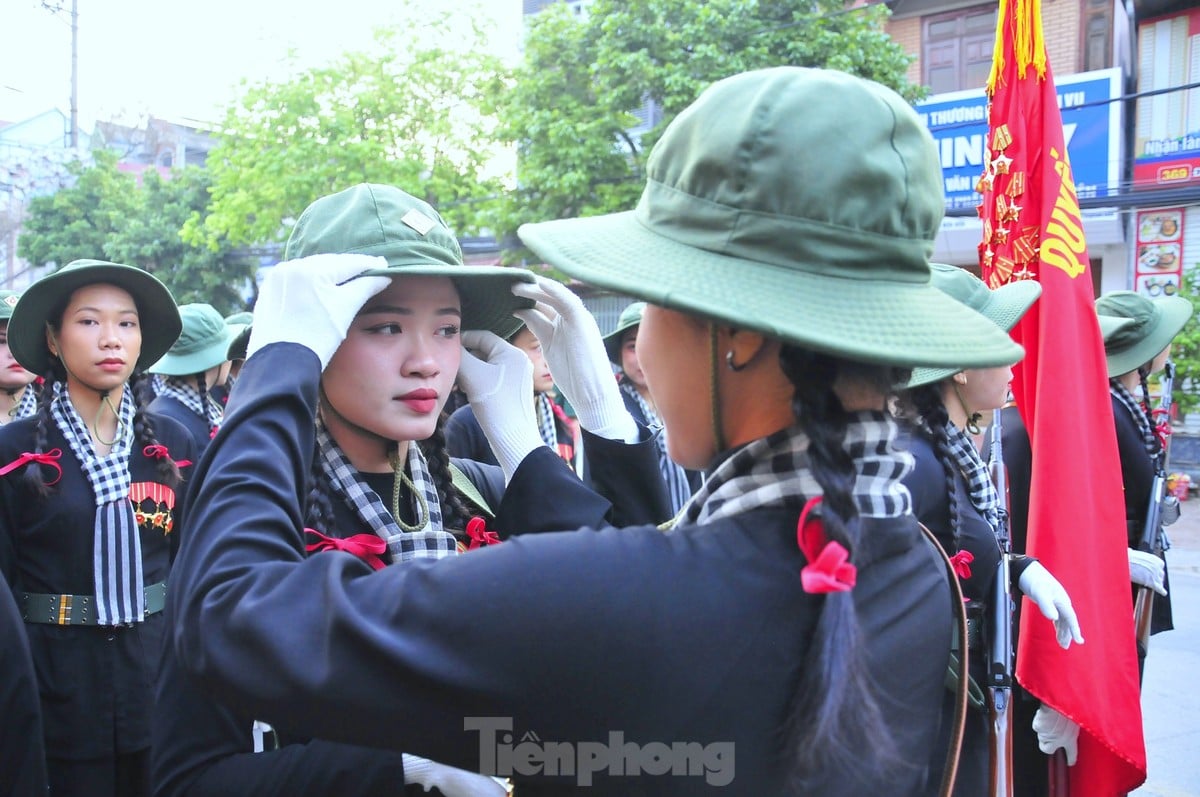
(1134, 352)
(18, 387)
(783, 252)
(197, 362)
(378, 480)
(954, 497)
(87, 499)
(621, 345)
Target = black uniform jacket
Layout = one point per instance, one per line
(96, 683)
(626, 639)
(174, 408)
(22, 752)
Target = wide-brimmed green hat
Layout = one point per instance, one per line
(1154, 323)
(1004, 306)
(203, 344)
(240, 325)
(767, 208)
(8, 300)
(385, 221)
(157, 313)
(631, 316)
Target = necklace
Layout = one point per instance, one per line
(402, 480)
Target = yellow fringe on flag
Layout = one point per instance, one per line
(1028, 41)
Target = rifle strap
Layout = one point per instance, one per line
(960, 693)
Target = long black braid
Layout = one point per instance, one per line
(833, 716)
(924, 408)
(318, 509)
(143, 428)
(455, 512)
(1144, 404)
(42, 422)
(202, 388)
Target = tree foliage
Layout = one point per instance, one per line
(1185, 350)
(106, 215)
(571, 107)
(416, 113)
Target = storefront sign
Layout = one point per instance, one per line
(1158, 268)
(1166, 152)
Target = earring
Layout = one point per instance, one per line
(732, 365)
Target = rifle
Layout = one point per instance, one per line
(1152, 537)
(1000, 647)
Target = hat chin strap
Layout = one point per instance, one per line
(973, 418)
(105, 400)
(714, 362)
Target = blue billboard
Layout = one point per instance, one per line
(1091, 128)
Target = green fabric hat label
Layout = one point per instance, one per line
(418, 221)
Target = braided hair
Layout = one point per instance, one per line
(42, 422)
(455, 512)
(833, 714)
(143, 427)
(318, 509)
(924, 409)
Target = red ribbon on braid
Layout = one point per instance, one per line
(159, 451)
(480, 536)
(50, 458)
(367, 547)
(962, 563)
(829, 568)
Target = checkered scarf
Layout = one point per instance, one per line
(1149, 439)
(431, 542)
(27, 406)
(117, 546)
(189, 397)
(675, 476)
(774, 470)
(546, 425)
(981, 492)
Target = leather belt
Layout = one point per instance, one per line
(37, 607)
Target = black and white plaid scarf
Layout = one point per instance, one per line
(1149, 438)
(117, 547)
(980, 490)
(431, 542)
(774, 470)
(546, 424)
(189, 397)
(26, 407)
(675, 476)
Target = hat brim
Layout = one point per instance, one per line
(239, 342)
(195, 362)
(1171, 314)
(485, 291)
(158, 315)
(892, 322)
(1004, 307)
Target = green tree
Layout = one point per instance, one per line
(1185, 350)
(416, 112)
(571, 108)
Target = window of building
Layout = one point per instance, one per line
(958, 49)
(1097, 30)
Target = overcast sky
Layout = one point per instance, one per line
(183, 60)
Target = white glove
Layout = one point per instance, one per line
(500, 389)
(311, 301)
(1147, 570)
(1054, 731)
(448, 780)
(578, 361)
(1053, 601)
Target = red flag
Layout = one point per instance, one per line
(1032, 230)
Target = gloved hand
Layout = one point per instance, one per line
(1054, 731)
(448, 780)
(305, 301)
(1147, 570)
(578, 362)
(498, 381)
(1053, 601)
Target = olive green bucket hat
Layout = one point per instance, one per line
(8, 300)
(157, 313)
(1004, 306)
(1154, 323)
(203, 344)
(630, 317)
(381, 220)
(802, 203)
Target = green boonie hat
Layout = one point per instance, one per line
(381, 220)
(157, 313)
(203, 344)
(240, 319)
(1004, 306)
(768, 208)
(239, 342)
(1154, 323)
(8, 300)
(631, 316)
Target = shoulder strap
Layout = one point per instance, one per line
(960, 694)
(469, 491)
